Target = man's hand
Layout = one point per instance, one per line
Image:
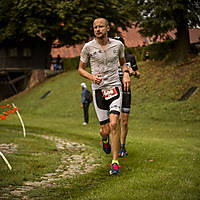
(126, 81)
(131, 72)
(136, 74)
(97, 78)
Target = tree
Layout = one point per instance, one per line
(155, 18)
(69, 21)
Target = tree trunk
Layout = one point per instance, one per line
(183, 41)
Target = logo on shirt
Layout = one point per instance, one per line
(115, 51)
(95, 53)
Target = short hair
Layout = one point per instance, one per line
(106, 21)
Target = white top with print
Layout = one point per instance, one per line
(104, 61)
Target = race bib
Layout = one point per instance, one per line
(109, 93)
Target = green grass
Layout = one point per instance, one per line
(163, 141)
(26, 166)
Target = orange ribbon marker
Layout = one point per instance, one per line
(10, 110)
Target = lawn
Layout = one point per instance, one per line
(163, 141)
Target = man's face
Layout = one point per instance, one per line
(100, 28)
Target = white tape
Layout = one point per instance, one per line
(6, 161)
(24, 131)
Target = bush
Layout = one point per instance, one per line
(157, 51)
(160, 51)
(71, 63)
(138, 52)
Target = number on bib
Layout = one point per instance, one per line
(109, 93)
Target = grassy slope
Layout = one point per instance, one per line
(163, 141)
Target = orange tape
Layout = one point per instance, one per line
(10, 111)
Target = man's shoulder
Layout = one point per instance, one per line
(90, 43)
(114, 41)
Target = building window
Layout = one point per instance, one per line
(26, 52)
(12, 52)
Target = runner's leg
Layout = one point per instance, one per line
(115, 135)
(104, 131)
(124, 127)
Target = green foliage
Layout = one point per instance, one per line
(158, 17)
(71, 63)
(160, 51)
(69, 21)
(138, 52)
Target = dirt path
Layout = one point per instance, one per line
(75, 160)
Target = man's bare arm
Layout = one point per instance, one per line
(126, 77)
(95, 78)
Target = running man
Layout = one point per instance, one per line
(126, 98)
(104, 53)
